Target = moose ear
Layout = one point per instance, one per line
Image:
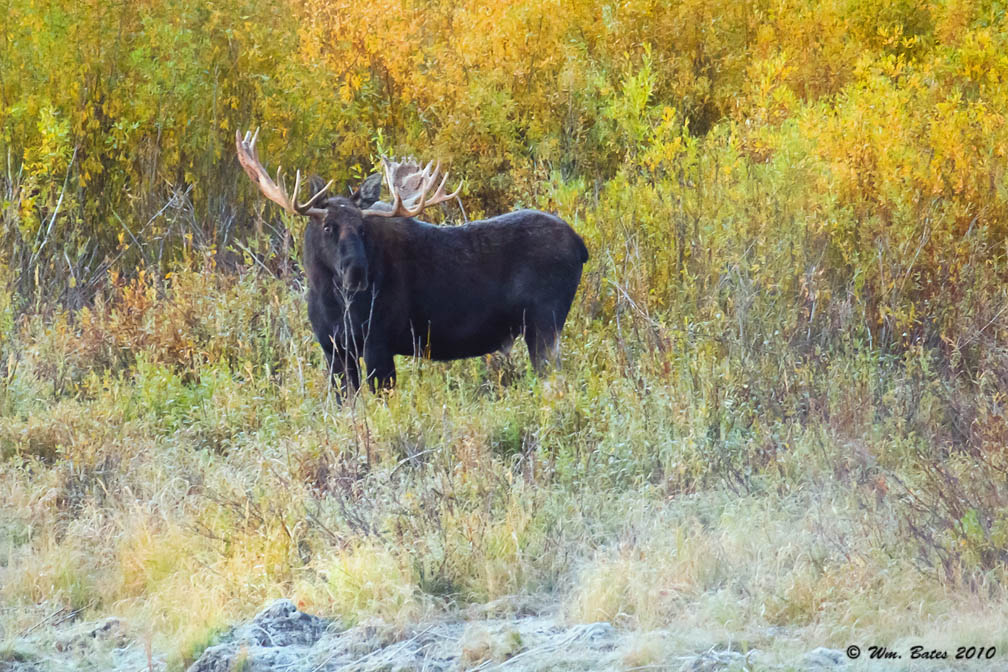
(316, 184)
(369, 192)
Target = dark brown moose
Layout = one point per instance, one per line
(382, 283)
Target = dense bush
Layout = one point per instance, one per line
(867, 139)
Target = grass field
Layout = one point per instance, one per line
(635, 484)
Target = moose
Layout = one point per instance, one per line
(382, 283)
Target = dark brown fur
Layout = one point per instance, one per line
(380, 287)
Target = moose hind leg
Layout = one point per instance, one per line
(545, 321)
(500, 365)
(542, 336)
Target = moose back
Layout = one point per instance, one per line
(382, 283)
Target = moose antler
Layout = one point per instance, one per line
(248, 157)
(410, 184)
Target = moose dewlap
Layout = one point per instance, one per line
(382, 283)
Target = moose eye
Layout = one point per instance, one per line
(327, 227)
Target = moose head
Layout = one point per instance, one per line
(341, 219)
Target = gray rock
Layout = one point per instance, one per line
(279, 637)
(824, 658)
(15, 661)
(715, 661)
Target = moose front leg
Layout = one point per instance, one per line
(380, 367)
(344, 370)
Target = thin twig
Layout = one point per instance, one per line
(62, 613)
(52, 220)
(409, 458)
(42, 622)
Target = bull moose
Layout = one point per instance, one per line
(381, 283)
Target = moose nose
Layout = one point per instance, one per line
(355, 279)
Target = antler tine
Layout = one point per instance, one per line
(390, 181)
(387, 168)
(441, 196)
(311, 201)
(250, 140)
(297, 188)
(430, 176)
(419, 208)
